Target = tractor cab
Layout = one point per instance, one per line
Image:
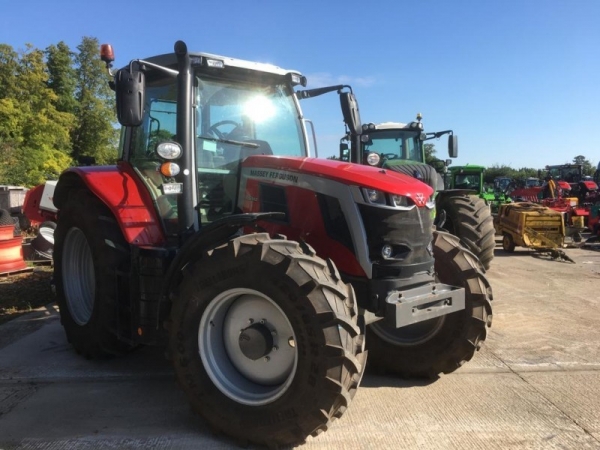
(237, 109)
(391, 143)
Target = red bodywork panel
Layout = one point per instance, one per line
(305, 221)
(306, 224)
(129, 200)
(31, 206)
(349, 174)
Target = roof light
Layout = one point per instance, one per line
(106, 53)
(214, 63)
(296, 79)
(368, 126)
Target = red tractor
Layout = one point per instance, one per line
(566, 190)
(183, 243)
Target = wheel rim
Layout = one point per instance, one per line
(247, 346)
(78, 276)
(410, 335)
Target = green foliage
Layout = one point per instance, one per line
(506, 171)
(588, 168)
(55, 106)
(34, 134)
(94, 134)
(61, 76)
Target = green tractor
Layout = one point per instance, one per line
(399, 147)
(470, 178)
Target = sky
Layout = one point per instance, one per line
(518, 81)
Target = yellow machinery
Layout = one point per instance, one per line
(530, 225)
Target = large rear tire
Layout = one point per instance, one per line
(469, 218)
(89, 249)
(265, 340)
(443, 344)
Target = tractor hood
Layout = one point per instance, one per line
(291, 169)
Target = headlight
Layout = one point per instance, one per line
(374, 196)
(400, 200)
(169, 150)
(373, 159)
(387, 251)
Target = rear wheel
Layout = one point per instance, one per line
(469, 218)
(265, 340)
(443, 344)
(89, 250)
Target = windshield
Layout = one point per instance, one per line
(570, 174)
(467, 181)
(232, 121)
(394, 144)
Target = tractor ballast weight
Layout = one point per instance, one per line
(260, 268)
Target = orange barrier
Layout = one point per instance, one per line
(11, 251)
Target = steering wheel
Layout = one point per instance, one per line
(214, 129)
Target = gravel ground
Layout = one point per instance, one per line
(23, 292)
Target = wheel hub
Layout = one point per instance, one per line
(256, 341)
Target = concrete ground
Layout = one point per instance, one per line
(534, 385)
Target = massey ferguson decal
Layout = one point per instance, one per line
(274, 175)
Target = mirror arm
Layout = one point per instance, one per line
(142, 63)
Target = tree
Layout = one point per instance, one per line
(430, 152)
(94, 134)
(9, 62)
(588, 168)
(61, 76)
(34, 135)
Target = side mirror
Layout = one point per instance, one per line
(448, 162)
(130, 88)
(350, 111)
(452, 146)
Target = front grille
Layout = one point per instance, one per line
(408, 232)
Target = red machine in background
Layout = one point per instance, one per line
(566, 190)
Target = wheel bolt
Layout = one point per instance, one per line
(267, 359)
(263, 321)
(275, 348)
(250, 320)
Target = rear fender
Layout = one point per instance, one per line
(121, 190)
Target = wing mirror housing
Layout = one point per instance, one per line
(452, 146)
(350, 111)
(130, 88)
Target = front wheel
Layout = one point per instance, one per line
(265, 340)
(443, 344)
(469, 218)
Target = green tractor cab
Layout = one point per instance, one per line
(470, 177)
